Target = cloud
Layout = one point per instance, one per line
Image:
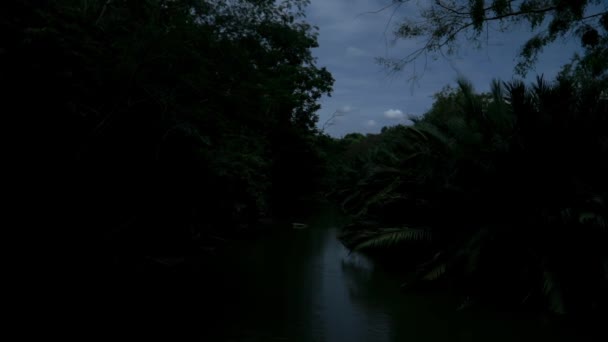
(345, 109)
(355, 52)
(393, 114)
(350, 36)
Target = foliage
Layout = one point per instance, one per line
(388, 237)
(166, 122)
(511, 185)
(443, 23)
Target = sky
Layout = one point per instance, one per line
(367, 97)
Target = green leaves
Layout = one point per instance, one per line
(511, 184)
(445, 25)
(435, 272)
(409, 31)
(604, 21)
(477, 13)
(553, 293)
(501, 7)
(590, 38)
(178, 112)
(390, 237)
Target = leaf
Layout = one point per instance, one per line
(418, 132)
(394, 236)
(566, 215)
(592, 219)
(472, 263)
(586, 217)
(601, 222)
(380, 196)
(467, 302)
(436, 272)
(477, 14)
(553, 293)
(432, 132)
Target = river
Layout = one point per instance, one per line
(303, 285)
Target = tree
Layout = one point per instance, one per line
(507, 187)
(443, 23)
(164, 120)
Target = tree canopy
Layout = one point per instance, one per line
(502, 190)
(443, 24)
(158, 119)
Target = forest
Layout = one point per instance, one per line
(162, 133)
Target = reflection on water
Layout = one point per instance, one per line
(302, 285)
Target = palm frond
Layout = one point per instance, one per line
(463, 134)
(566, 214)
(471, 106)
(466, 87)
(350, 198)
(380, 196)
(472, 261)
(516, 94)
(553, 293)
(417, 133)
(592, 219)
(393, 236)
(496, 90)
(434, 135)
(467, 302)
(410, 157)
(435, 272)
(601, 222)
(498, 111)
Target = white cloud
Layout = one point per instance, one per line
(345, 109)
(355, 52)
(393, 114)
(347, 28)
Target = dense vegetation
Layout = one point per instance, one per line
(158, 128)
(499, 195)
(506, 191)
(161, 125)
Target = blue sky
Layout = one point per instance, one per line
(369, 98)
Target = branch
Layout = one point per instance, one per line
(387, 24)
(594, 15)
(453, 35)
(465, 26)
(444, 22)
(103, 11)
(500, 17)
(333, 116)
(380, 10)
(438, 3)
(513, 14)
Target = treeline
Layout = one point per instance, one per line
(156, 127)
(498, 196)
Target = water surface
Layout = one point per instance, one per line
(303, 285)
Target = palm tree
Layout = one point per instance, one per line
(509, 183)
